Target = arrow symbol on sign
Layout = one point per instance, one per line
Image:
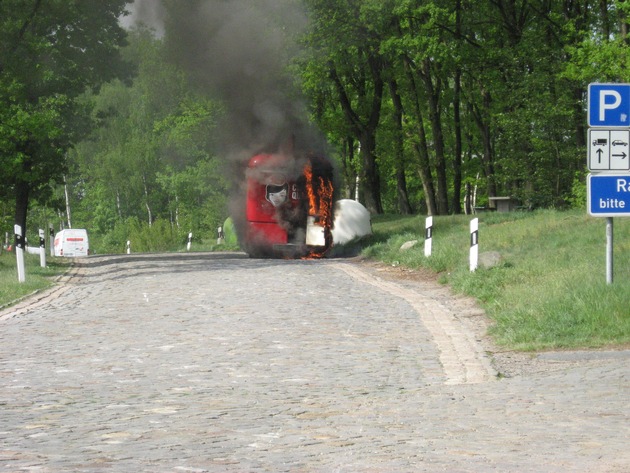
(622, 155)
(599, 155)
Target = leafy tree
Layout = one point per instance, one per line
(426, 100)
(346, 53)
(50, 53)
(494, 88)
(151, 159)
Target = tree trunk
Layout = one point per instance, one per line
(365, 131)
(487, 158)
(371, 178)
(399, 159)
(457, 159)
(420, 147)
(425, 176)
(433, 95)
(177, 211)
(22, 195)
(488, 155)
(146, 203)
(23, 192)
(118, 205)
(347, 167)
(578, 118)
(65, 189)
(623, 26)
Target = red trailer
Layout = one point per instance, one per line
(288, 206)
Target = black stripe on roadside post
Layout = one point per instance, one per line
(19, 241)
(474, 238)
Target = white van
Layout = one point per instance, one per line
(72, 242)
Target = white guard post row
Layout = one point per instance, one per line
(474, 241)
(20, 246)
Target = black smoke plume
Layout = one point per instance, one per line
(239, 51)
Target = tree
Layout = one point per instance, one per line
(493, 89)
(50, 53)
(346, 53)
(153, 156)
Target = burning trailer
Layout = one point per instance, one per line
(289, 206)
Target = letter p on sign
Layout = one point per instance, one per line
(606, 104)
(609, 105)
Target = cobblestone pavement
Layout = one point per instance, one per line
(220, 363)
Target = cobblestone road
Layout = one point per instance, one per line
(220, 363)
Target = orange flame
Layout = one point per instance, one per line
(312, 198)
(319, 190)
(320, 193)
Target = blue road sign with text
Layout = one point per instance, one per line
(608, 195)
(609, 105)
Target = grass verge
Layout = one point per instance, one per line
(549, 290)
(37, 278)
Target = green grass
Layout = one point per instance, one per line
(549, 292)
(36, 277)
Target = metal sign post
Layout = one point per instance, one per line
(609, 250)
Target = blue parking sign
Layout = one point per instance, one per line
(608, 195)
(609, 105)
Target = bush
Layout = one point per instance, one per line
(578, 191)
(230, 232)
(160, 236)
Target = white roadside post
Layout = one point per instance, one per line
(189, 241)
(19, 253)
(474, 244)
(128, 247)
(221, 236)
(42, 248)
(428, 236)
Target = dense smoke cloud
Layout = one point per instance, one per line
(238, 50)
(147, 12)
